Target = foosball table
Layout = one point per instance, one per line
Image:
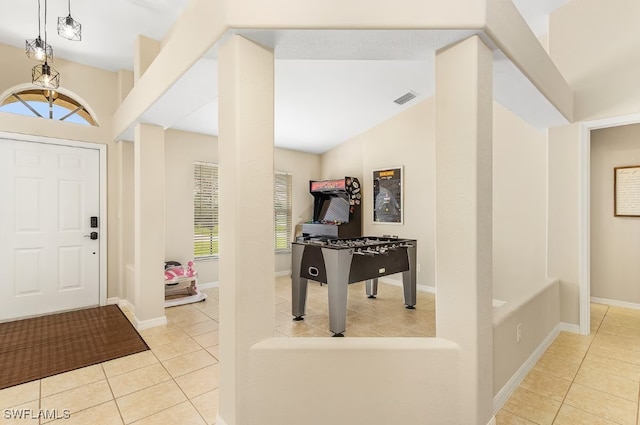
(339, 262)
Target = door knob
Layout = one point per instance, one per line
(93, 236)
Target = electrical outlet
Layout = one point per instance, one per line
(519, 333)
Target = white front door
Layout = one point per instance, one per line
(48, 261)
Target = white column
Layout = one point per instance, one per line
(464, 99)
(247, 265)
(120, 257)
(149, 225)
(125, 84)
(146, 50)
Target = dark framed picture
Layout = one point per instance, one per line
(387, 195)
(626, 191)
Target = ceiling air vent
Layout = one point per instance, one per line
(410, 95)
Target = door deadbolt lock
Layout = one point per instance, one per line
(93, 236)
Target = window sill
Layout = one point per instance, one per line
(207, 258)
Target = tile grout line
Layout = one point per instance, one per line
(86, 408)
(577, 371)
(112, 394)
(174, 381)
(568, 389)
(183, 392)
(171, 378)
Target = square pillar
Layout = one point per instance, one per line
(149, 226)
(246, 173)
(464, 114)
(120, 257)
(146, 50)
(125, 84)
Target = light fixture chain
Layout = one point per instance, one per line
(39, 24)
(68, 27)
(45, 23)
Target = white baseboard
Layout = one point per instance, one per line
(208, 285)
(216, 284)
(492, 421)
(511, 385)
(126, 305)
(219, 420)
(393, 282)
(615, 303)
(425, 288)
(122, 303)
(151, 323)
(569, 327)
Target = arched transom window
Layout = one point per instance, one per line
(48, 104)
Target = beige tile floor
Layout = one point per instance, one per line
(580, 380)
(584, 380)
(176, 382)
(381, 316)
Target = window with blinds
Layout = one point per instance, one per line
(282, 211)
(205, 210)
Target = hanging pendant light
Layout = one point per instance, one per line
(44, 75)
(38, 49)
(69, 28)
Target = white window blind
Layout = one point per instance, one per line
(282, 211)
(205, 209)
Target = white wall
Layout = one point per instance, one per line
(519, 206)
(303, 167)
(354, 381)
(537, 314)
(593, 43)
(519, 191)
(407, 139)
(345, 159)
(615, 241)
(563, 206)
(519, 245)
(127, 196)
(182, 149)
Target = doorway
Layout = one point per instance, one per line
(584, 219)
(52, 252)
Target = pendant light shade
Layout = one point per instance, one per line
(69, 28)
(39, 50)
(45, 76)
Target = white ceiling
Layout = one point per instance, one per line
(109, 28)
(330, 85)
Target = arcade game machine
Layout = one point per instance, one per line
(336, 209)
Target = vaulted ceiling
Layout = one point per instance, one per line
(330, 85)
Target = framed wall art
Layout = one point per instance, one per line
(626, 191)
(387, 195)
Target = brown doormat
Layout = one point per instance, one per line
(35, 348)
